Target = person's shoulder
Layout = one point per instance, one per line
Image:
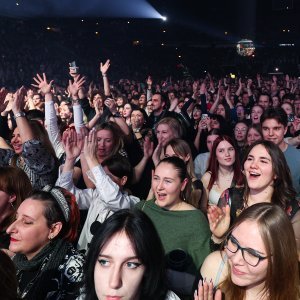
(292, 150)
(205, 178)
(211, 264)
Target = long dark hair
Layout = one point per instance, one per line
(213, 164)
(146, 243)
(283, 185)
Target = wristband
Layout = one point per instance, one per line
(104, 75)
(19, 114)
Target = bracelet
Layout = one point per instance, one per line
(19, 114)
(104, 75)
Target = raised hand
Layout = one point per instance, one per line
(76, 85)
(3, 104)
(219, 220)
(89, 148)
(73, 144)
(18, 100)
(148, 147)
(111, 104)
(205, 292)
(42, 84)
(104, 67)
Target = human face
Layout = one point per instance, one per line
(170, 152)
(248, 236)
(64, 112)
(225, 154)
(220, 110)
(210, 141)
(36, 99)
(167, 186)
(297, 107)
(275, 101)
(157, 104)
(118, 271)
(105, 143)
(214, 124)
(164, 134)
(137, 119)
(274, 132)
(142, 101)
(256, 113)
(197, 114)
(120, 101)
(264, 101)
(240, 132)
(97, 98)
(149, 106)
(287, 108)
(240, 112)
(16, 141)
(29, 233)
(127, 110)
(252, 136)
(258, 169)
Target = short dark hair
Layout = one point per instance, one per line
(275, 113)
(119, 166)
(53, 212)
(145, 240)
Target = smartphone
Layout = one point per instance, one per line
(291, 118)
(73, 67)
(204, 116)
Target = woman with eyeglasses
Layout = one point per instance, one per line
(258, 260)
(267, 179)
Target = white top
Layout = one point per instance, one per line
(101, 202)
(201, 164)
(213, 197)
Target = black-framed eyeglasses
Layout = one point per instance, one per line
(250, 255)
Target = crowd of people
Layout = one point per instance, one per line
(161, 189)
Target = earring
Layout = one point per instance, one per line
(12, 206)
(51, 237)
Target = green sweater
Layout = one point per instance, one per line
(187, 230)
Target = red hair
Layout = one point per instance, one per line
(72, 225)
(213, 165)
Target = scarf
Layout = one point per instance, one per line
(55, 250)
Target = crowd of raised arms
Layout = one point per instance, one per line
(161, 189)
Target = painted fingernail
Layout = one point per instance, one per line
(200, 283)
(195, 293)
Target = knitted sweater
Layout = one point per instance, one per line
(187, 230)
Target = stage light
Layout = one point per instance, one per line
(164, 18)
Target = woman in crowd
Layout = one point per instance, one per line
(256, 113)
(259, 258)
(126, 260)
(254, 134)
(14, 188)
(32, 151)
(48, 267)
(179, 224)
(128, 107)
(223, 170)
(166, 129)
(108, 171)
(181, 149)
(139, 120)
(267, 179)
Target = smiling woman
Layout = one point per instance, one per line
(268, 179)
(179, 225)
(259, 253)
